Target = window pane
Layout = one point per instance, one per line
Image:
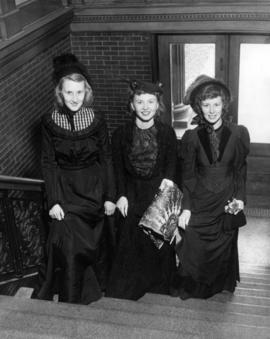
(254, 91)
(199, 59)
(187, 62)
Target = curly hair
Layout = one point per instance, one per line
(211, 91)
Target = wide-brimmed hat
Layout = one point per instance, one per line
(66, 64)
(200, 82)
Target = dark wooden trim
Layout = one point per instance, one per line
(172, 18)
(33, 40)
(21, 184)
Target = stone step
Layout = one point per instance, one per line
(252, 292)
(88, 322)
(14, 334)
(57, 326)
(259, 279)
(263, 279)
(207, 304)
(253, 284)
(246, 299)
(246, 267)
(183, 312)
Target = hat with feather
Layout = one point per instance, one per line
(145, 86)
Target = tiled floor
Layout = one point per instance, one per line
(254, 242)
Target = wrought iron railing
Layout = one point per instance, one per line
(22, 226)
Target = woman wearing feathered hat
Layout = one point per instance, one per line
(144, 153)
(214, 173)
(78, 174)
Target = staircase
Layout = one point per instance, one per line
(246, 314)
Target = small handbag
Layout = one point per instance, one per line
(234, 221)
(160, 220)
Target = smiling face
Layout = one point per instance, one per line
(145, 106)
(73, 93)
(212, 109)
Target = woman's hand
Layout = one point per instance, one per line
(122, 205)
(56, 212)
(109, 208)
(183, 220)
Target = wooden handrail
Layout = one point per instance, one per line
(22, 184)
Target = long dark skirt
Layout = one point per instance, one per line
(73, 246)
(208, 265)
(139, 266)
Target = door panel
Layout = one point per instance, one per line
(181, 59)
(249, 79)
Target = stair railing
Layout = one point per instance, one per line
(22, 226)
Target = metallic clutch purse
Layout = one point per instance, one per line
(160, 220)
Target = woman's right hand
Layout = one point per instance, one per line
(56, 212)
(122, 205)
(183, 220)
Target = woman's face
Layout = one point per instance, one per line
(73, 94)
(212, 110)
(145, 106)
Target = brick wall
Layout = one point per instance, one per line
(110, 58)
(25, 95)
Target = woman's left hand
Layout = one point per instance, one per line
(183, 220)
(109, 207)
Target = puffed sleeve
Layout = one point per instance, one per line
(188, 165)
(118, 162)
(106, 161)
(240, 168)
(49, 167)
(170, 154)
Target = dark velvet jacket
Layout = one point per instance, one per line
(74, 150)
(165, 166)
(229, 171)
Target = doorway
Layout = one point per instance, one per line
(241, 61)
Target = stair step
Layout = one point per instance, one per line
(242, 299)
(13, 334)
(89, 322)
(207, 304)
(253, 269)
(184, 313)
(252, 292)
(77, 327)
(262, 279)
(251, 285)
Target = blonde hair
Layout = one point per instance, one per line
(161, 106)
(88, 98)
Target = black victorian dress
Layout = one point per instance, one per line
(78, 174)
(209, 254)
(142, 158)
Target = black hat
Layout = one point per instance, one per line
(200, 82)
(66, 64)
(147, 87)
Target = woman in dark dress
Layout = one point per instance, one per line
(78, 174)
(214, 172)
(144, 153)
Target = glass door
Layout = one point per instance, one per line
(181, 60)
(250, 84)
